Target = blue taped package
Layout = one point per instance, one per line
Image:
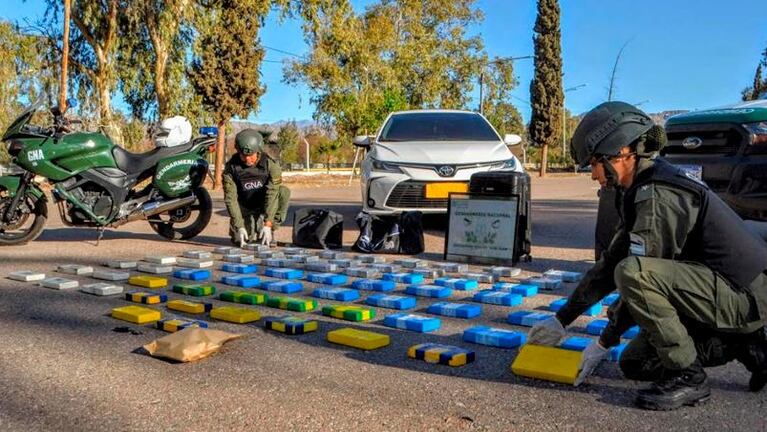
(284, 273)
(192, 274)
(285, 287)
(498, 298)
(416, 323)
(527, 318)
(457, 283)
(521, 289)
(544, 283)
(457, 310)
(391, 301)
(596, 327)
(327, 278)
(576, 343)
(593, 310)
(338, 294)
(610, 299)
(239, 268)
(245, 281)
(617, 351)
(631, 333)
(432, 291)
(566, 276)
(374, 285)
(496, 337)
(409, 278)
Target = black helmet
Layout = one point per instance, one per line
(606, 129)
(249, 141)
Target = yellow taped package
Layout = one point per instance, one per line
(148, 281)
(233, 314)
(547, 363)
(358, 338)
(189, 307)
(136, 314)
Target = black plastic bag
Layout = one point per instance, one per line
(318, 228)
(377, 234)
(411, 233)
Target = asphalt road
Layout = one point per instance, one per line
(63, 368)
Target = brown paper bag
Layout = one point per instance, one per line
(189, 344)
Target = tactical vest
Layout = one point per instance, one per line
(251, 182)
(719, 239)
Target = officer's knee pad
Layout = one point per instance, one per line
(626, 271)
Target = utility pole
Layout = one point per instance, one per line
(482, 76)
(65, 57)
(564, 119)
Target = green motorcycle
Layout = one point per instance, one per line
(98, 184)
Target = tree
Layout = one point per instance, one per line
(154, 59)
(759, 85)
(546, 87)
(25, 72)
(225, 72)
(94, 43)
(397, 54)
(499, 82)
(328, 149)
(287, 140)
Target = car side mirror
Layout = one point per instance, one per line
(512, 139)
(361, 141)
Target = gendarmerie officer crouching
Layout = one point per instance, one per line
(689, 272)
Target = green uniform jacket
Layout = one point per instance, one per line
(665, 216)
(268, 172)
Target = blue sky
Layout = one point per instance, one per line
(680, 54)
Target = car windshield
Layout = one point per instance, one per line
(438, 126)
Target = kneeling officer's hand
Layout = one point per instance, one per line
(547, 332)
(266, 235)
(242, 235)
(592, 355)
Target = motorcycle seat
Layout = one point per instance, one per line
(133, 163)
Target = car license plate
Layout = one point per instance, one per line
(443, 189)
(694, 171)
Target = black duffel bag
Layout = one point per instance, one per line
(318, 228)
(390, 234)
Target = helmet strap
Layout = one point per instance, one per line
(610, 174)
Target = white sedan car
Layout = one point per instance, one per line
(419, 157)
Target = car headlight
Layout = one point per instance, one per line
(506, 165)
(385, 166)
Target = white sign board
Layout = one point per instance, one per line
(481, 228)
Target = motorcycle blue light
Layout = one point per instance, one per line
(209, 130)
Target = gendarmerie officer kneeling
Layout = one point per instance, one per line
(253, 191)
(689, 272)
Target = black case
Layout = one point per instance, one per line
(318, 228)
(509, 183)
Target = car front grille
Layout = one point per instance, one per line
(715, 140)
(411, 194)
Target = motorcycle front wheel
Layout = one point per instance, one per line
(186, 222)
(26, 225)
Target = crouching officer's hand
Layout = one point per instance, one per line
(592, 355)
(547, 332)
(266, 235)
(242, 235)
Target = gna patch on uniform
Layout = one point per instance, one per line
(638, 246)
(644, 193)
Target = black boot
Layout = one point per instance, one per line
(685, 387)
(753, 355)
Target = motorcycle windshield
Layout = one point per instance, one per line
(23, 119)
